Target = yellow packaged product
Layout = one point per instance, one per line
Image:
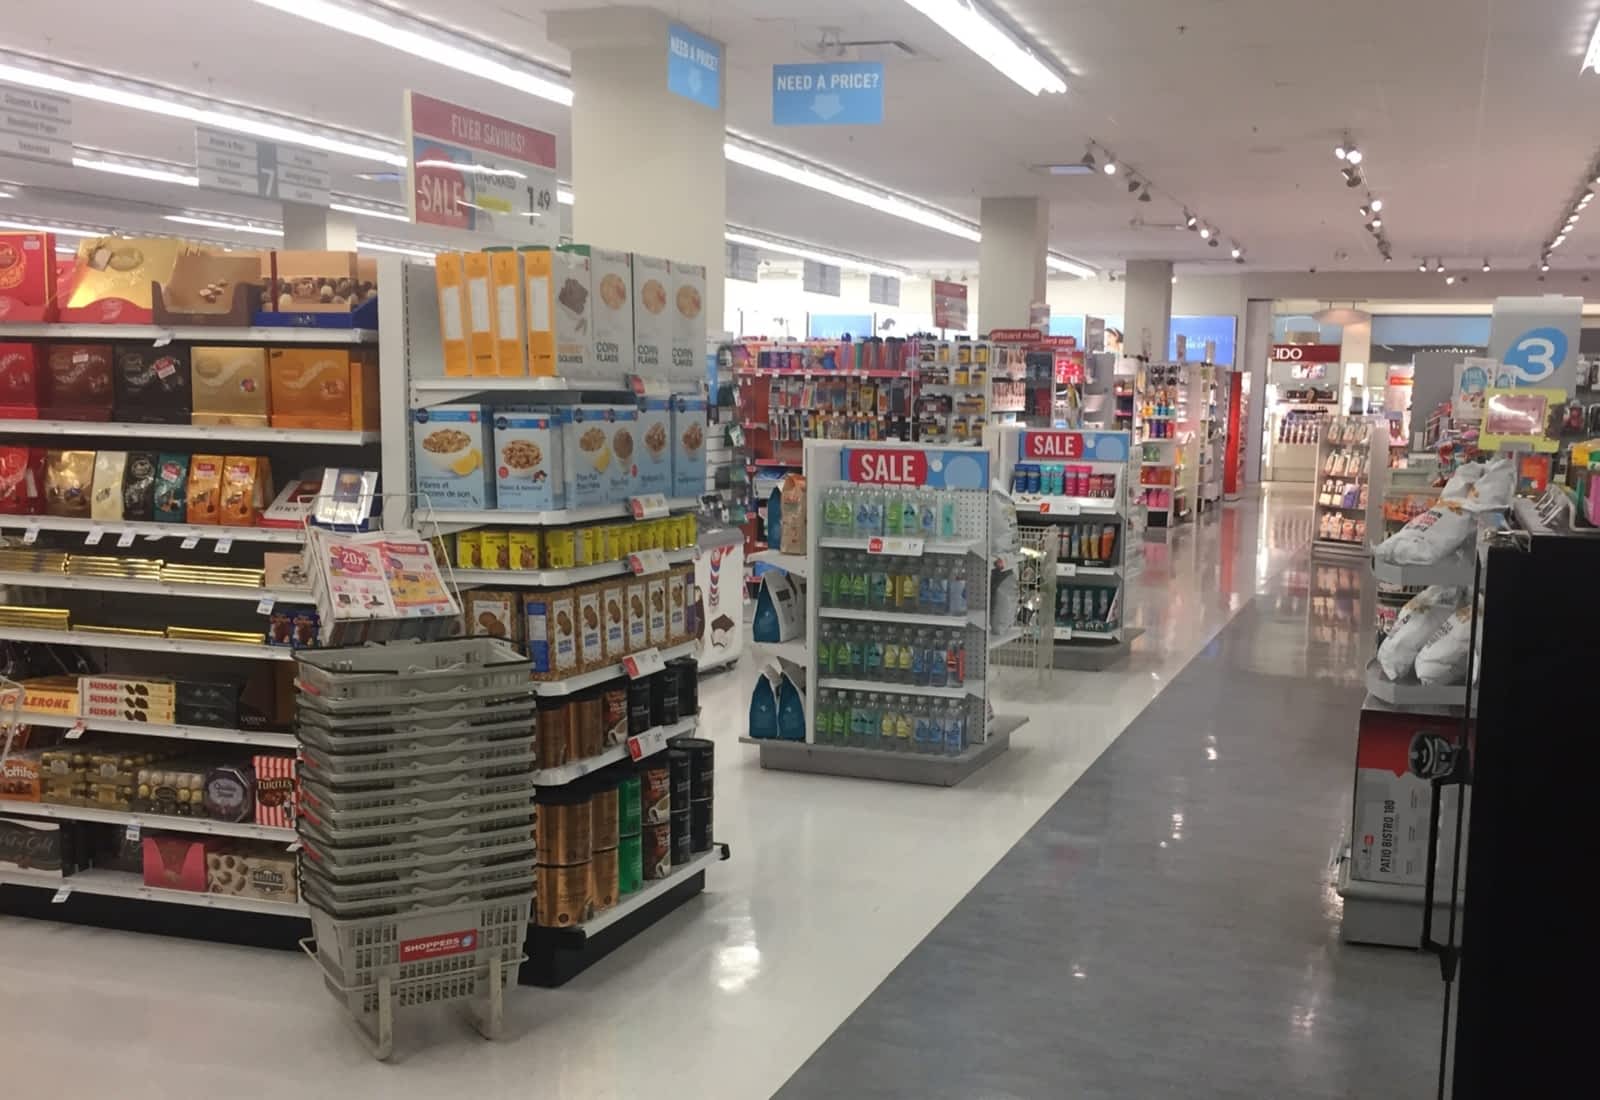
(469, 550)
(560, 550)
(585, 546)
(496, 551)
(524, 549)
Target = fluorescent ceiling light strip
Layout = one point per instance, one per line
(139, 96)
(1591, 59)
(58, 230)
(974, 28)
(368, 211)
(1068, 267)
(403, 250)
(794, 172)
(218, 223)
(418, 39)
(804, 252)
(160, 175)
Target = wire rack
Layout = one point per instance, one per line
(1034, 645)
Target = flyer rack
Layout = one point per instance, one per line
(1349, 483)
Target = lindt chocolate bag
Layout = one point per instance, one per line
(22, 478)
(69, 477)
(172, 489)
(139, 486)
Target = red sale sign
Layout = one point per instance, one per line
(949, 304)
(1052, 445)
(887, 467)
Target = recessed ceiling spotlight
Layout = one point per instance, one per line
(1438, 266)
(1205, 232)
(1388, 259)
(1486, 265)
(1449, 280)
(1237, 252)
(1585, 199)
(1561, 239)
(1364, 210)
(1189, 220)
(1340, 151)
(1111, 167)
(1544, 265)
(1353, 156)
(1423, 266)
(1174, 280)
(1213, 242)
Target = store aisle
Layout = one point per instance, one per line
(832, 883)
(1167, 928)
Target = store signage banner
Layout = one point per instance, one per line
(488, 175)
(1016, 335)
(820, 278)
(883, 290)
(1306, 353)
(1063, 446)
(949, 305)
(244, 166)
(960, 468)
(1534, 341)
(1473, 375)
(742, 262)
(35, 125)
(846, 93)
(694, 66)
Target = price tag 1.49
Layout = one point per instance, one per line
(647, 561)
(653, 506)
(646, 662)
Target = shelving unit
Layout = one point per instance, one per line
(201, 433)
(952, 394)
(1167, 470)
(1351, 477)
(883, 726)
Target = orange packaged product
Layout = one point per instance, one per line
(246, 489)
(324, 388)
(205, 489)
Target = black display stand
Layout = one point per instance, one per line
(239, 927)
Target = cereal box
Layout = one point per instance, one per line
(448, 273)
(527, 457)
(552, 631)
(591, 648)
(510, 327)
(688, 322)
(587, 456)
(622, 479)
(688, 446)
(611, 280)
(614, 620)
(637, 596)
(450, 443)
(652, 321)
(653, 453)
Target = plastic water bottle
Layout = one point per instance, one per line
(955, 728)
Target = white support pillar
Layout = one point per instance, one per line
(317, 228)
(647, 164)
(1011, 260)
(1147, 309)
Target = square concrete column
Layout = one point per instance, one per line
(648, 172)
(1147, 309)
(1011, 260)
(317, 228)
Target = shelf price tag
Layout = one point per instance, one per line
(1067, 569)
(1059, 506)
(30, 536)
(125, 539)
(224, 544)
(76, 730)
(132, 832)
(93, 537)
(646, 662)
(652, 506)
(903, 548)
(264, 606)
(191, 542)
(60, 895)
(294, 846)
(648, 743)
(647, 561)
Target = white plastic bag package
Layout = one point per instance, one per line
(1417, 622)
(1494, 489)
(1461, 481)
(1443, 659)
(1432, 536)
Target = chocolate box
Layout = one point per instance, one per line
(177, 862)
(41, 846)
(252, 871)
(116, 273)
(324, 388)
(316, 282)
(230, 386)
(209, 288)
(275, 800)
(27, 276)
(19, 381)
(152, 384)
(21, 481)
(77, 382)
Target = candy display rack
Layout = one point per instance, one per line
(1351, 477)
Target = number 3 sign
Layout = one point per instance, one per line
(1534, 357)
(1534, 341)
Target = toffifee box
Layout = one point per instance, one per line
(652, 319)
(450, 443)
(688, 310)
(688, 446)
(527, 460)
(653, 447)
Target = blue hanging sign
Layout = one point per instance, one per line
(694, 66)
(847, 93)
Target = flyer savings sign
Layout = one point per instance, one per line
(472, 171)
(910, 467)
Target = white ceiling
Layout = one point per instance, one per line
(1476, 124)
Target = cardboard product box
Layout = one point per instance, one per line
(528, 446)
(678, 584)
(230, 386)
(688, 446)
(27, 273)
(209, 288)
(653, 449)
(285, 569)
(572, 312)
(57, 695)
(688, 322)
(152, 385)
(509, 313)
(636, 600)
(652, 320)
(22, 476)
(450, 445)
(494, 614)
(611, 281)
(313, 281)
(252, 871)
(177, 862)
(22, 776)
(325, 388)
(587, 455)
(19, 381)
(1395, 755)
(656, 610)
(115, 272)
(622, 480)
(449, 273)
(591, 644)
(551, 620)
(275, 801)
(522, 548)
(43, 847)
(480, 313)
(614, 620)
(77, 383)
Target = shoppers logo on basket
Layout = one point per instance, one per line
(432, 947)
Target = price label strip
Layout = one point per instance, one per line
(93, 537)
(76, 730)
(647, 561)
(900, 548)
(191, 542)
(646, 662)
(652, 506)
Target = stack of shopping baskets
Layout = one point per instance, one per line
(415, 819)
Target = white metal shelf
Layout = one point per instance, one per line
(199, 334)
(1073, 569)
(125, 884)
(898, 688)
(139, 587)
(596, 677)
(794, 564)
(513, 578)
(648, 892)
(1070, 634)
(1412, 692)
(873, 615)
(200, 432)
(262, 652)
(490, 517)
(220, 734)
(1070, 507)
(651, 741)
(1454, 570)
(929, 546)
(168, 823)
(156, 531)
(795, 651)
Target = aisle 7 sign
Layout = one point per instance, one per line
(472, 171)
(846, 93)
(1535, 341)
(1046, 446)
(956, 468)
(244, 166)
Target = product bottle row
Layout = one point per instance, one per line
(890, 722)
(925, 657)
(872, 582)
(852, 512)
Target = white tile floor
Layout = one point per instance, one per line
(832, 882)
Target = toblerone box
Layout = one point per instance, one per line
(510, 327)
(450, 274)
(480, 313)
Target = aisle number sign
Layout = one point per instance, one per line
(35, 125)
(1535, 342)
(244, 166)
(912, 467)
(845, 93)
(468, 170)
